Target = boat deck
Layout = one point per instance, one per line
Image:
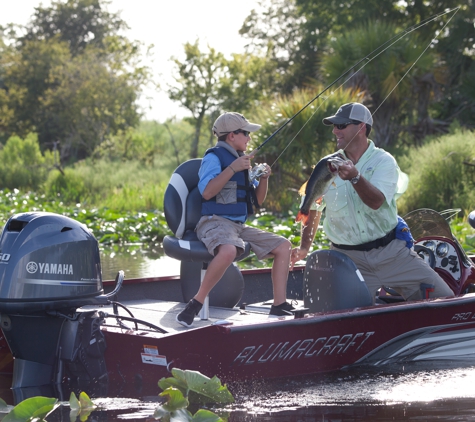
(163, 314)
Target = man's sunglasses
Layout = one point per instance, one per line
(244, 132)
(341, 126)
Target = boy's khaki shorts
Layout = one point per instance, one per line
(213, 231)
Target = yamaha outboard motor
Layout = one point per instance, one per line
(50, 267)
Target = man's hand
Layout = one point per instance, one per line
(347, 170)
(297, 254)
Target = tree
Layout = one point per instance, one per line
(6, 113)
(277, 32)
(208, 84)
(199, 78)
(79, 23)
(397, 81)
(73, 82)
(297, 34)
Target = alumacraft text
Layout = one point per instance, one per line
(301, 348)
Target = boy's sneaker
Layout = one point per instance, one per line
(188, 314)
(281, 310)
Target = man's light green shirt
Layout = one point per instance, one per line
(348, 220)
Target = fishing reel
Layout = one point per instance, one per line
(257, 171)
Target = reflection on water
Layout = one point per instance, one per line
(357, 395)
(363, 395)
(137, 261)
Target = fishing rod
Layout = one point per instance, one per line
(400, 34)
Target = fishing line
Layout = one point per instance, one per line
(396, 38)
(410, 68)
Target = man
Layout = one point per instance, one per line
(361, 212)
(228, 199)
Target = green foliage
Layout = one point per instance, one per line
(72, 79)
(441, 174)
(395, 110)
(208, 83)
(277, 33)
(123, 186)
(82, 407)
(197, 87)
(67, 186)
(23, 165)
(186, 387)
(79, 23)
(177, 142)
(204, 389)
(133, 144)
(108, 226)
(32, 409)
(193, 381)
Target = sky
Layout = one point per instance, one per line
(168, 25)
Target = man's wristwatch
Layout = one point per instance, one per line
(356, 179)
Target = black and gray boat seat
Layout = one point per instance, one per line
(182, 207)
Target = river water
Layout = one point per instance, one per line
(406, 394)
(136, 262)
(414, 393)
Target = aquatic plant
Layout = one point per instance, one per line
(32, 409)
(38, 408)
(186, 387)
(112, 227)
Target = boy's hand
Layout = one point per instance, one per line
(243, 162)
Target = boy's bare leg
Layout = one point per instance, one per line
(216, 268)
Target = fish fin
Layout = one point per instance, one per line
(303, 188)
(302, 217)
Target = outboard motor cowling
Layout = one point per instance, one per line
(50, 267)
(47, 261)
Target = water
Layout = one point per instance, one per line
(418, 395)
(414, 393)
(137, 262)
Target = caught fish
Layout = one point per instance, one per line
(320, 180)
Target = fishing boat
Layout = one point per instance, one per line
(65, 329)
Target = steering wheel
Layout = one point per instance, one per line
(426, 254)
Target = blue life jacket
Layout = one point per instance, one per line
(245, 194)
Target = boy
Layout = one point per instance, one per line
(227, 200)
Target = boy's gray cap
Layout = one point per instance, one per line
(230, 121)
(349, 112)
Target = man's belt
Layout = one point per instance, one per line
(383, 241)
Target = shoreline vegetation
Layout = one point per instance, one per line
(147, 228)
(121, 199)
(73, 139)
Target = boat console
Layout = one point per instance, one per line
(432, 233)
(446, 257)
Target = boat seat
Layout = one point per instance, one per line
(332, 282)
(182, 208)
